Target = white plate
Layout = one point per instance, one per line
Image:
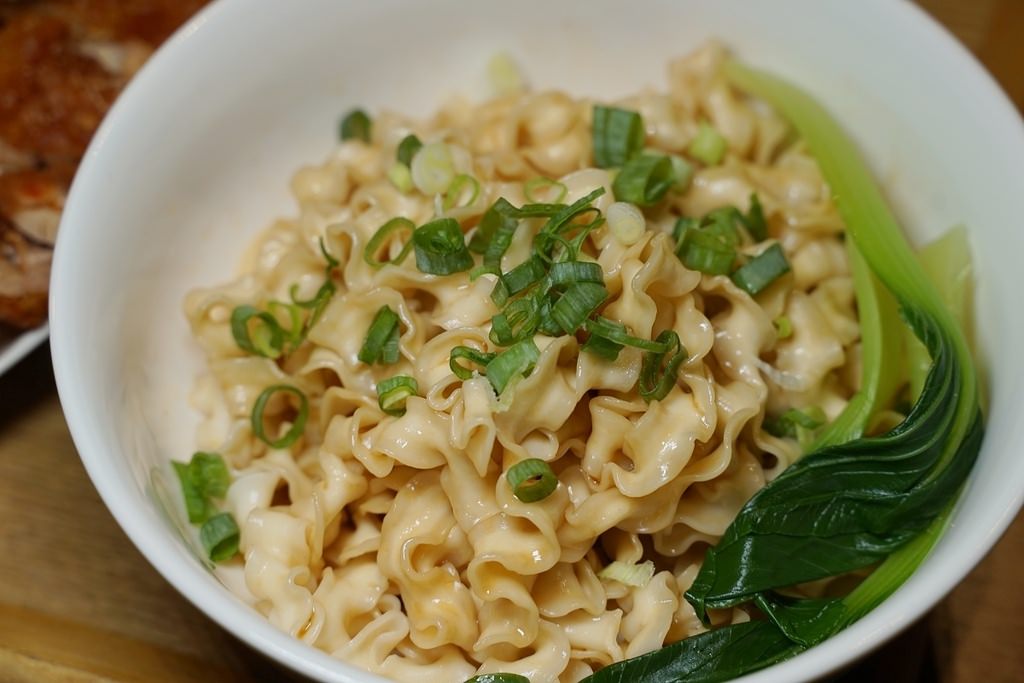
(14, 347)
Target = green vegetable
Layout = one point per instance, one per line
(531, 480)
(265, 338)
(381, 343)
(754, 221)
(852, 503)
(514, 362)
(380, 237)
(629, 574)
(618, 134)
(480, 358)
(219, 536)
(498, 678)
(656, 381)
(644, 180)
(202, 478)
(298, 425)
(441, 248)
(355, 126)
(454, 196)
(577, 304)
(762, 270)
(516, 322)
(407, 149)
(708, 146)
(792, 420)
(392, 392)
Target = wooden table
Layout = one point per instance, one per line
(78, 603)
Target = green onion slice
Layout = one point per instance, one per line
(540, 184)
(518, 321)
(616, 332)
(220, 536)
(440, 248)
(762, 270)
(602, 347)
(481, 358)
(577, 304)
(498, 678)
(383, 328)
(618, 134)
(298, 425)
(516, 361)
(401, 177)
(705, 253)
(202, 478)
(454, 195)
(570, 272)
(644, 180)
(755, 221)
(407, 149)
(355, 126)
(380, 238)
(264, 338)
(294, 313)
(638, 575)
(656, 381)
(392, 392)
(708, 146)
(531, 480)
(519, 279)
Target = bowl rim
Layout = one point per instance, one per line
(199, 586)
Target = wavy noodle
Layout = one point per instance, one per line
(395, 543)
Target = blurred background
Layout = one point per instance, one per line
(78, 603)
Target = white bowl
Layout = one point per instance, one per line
(195, 157)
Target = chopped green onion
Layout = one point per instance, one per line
(755, 221)
(792, 420)
(441, 248)
(644, 180)
(531, 480)
(655, 381)
(561, 221)
(602, 347)
(680, 229)
(382, 329)
(220, 536)
(481, 358)
(356, 126)
(618, 134)
(517, 322)
(392, 392)
(626, 222)
(204, 477)
(331, 261)
(266, 338)
(381, 236)
(401, 177)
(501, 215)
(531, 187)
(407, 149)
(708, 146)
(294, 313)
(519, 279)
(783, 327)
(706, 252)
(546, 324)
(390, 352)
(762, 270)
(637, 575)
(570, 272)
(682, 170)
(432, 168)
(577, 304)
(722, 224)
(516, 361)
(295, 431)
(616, 332)
(457, 189)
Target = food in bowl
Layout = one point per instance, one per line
(556, 389)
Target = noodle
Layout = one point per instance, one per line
(395, 542)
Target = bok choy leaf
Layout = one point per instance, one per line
(855, 501)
